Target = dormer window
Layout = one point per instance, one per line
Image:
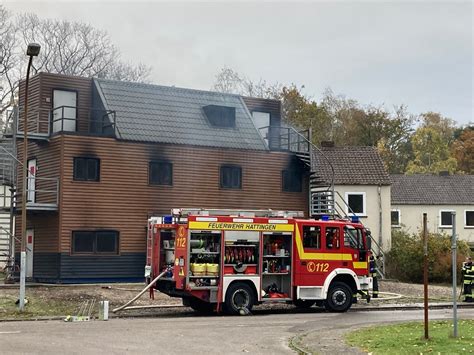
(220, 116)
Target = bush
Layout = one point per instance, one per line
(405, 260)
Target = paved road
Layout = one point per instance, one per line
(262, 333)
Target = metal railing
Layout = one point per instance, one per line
(46, 196)
(375, 247)
(286, 138)
(42, 122)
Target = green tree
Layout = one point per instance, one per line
(431, 153)
(303, 112)
(463, 150)
(446, 127)
(405, 259)
(395, 147)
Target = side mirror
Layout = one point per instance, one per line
(369, 242)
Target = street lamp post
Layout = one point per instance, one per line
(32, 51)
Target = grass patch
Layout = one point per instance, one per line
(407, 338)
(36, 307)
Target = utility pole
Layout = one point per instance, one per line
(425, 272)
(453, 251)
(32, 51)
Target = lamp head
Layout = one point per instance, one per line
(33, 49)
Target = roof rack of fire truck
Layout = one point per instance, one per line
(184, 212)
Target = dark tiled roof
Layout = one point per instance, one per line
(162, 114)
(352, 166)
(423, 189)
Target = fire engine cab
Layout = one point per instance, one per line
(228, 260)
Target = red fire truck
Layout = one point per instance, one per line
(227, 260)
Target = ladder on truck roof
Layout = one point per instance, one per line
(184, 212)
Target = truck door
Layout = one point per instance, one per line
(310, 249)
(354, 245)
(333, 256)
(321, 252)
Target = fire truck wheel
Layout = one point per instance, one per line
(304, 303)
(339, 297)
(239, 296)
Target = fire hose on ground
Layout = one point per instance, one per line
(140, 294)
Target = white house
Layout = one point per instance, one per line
(438, 196)
(362, 186)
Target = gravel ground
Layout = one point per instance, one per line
(415, 291)
(118, 294)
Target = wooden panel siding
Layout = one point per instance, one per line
(40, 98)
(122, 199)
(47, 157)
(48, 166)
(34, 121)
(83, 87)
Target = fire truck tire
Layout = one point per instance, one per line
(339, 297)
(239, 298)
(304, 303)
(200, 306)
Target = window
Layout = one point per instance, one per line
(356, 202)
(353, 237)
(291, 180)
(469, 218)
(160, 173)
(312, 237)
(220, 116)
(95, 242)
(231, 177)
(332, 238)
(86, 169)
(395, 218)
(445, 219)
(64, 111)
(261, 120)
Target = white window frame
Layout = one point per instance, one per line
(399, 218)
(465, 219)
(364, 203)
(257, 118)
(440, 220)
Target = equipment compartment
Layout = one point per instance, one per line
(241, 252)
(205, 256)
(276, 266)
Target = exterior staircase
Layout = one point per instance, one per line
(323, 199)
(7, 188)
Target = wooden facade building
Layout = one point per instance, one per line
(105, 155)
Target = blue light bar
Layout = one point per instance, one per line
(355, 219)
(167, 219)
(325, 218)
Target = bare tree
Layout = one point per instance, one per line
(229, 81)
(70, 48)
(9, 73)
(75, 48)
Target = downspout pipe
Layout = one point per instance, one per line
(379, 192)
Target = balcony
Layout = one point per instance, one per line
(286, 139)
(42, 195)
(44, 123)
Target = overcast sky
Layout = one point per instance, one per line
(417, 53)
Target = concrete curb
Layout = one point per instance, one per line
(409, 306)
(398, 307)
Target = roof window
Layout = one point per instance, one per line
(220, 116)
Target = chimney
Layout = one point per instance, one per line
(327, 144)
(444, 173)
